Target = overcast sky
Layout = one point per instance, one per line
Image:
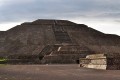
(103, 15)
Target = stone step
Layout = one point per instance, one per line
(93, 66)
(105, 67)
(102, 61)
(94, 56)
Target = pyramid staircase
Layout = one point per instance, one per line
(63, 54)
(65, 50)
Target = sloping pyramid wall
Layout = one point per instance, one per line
(33, 41)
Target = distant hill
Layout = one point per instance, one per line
(31, 38)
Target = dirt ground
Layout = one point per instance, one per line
(55, 72)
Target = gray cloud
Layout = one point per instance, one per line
(17, 10)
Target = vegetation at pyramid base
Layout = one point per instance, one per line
(3, 60)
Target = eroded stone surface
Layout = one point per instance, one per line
(26, 41)
(101, 61)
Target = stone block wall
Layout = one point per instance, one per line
(101, 61)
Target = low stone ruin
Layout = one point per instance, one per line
(101, 61)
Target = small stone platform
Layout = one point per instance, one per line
(101, 61)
